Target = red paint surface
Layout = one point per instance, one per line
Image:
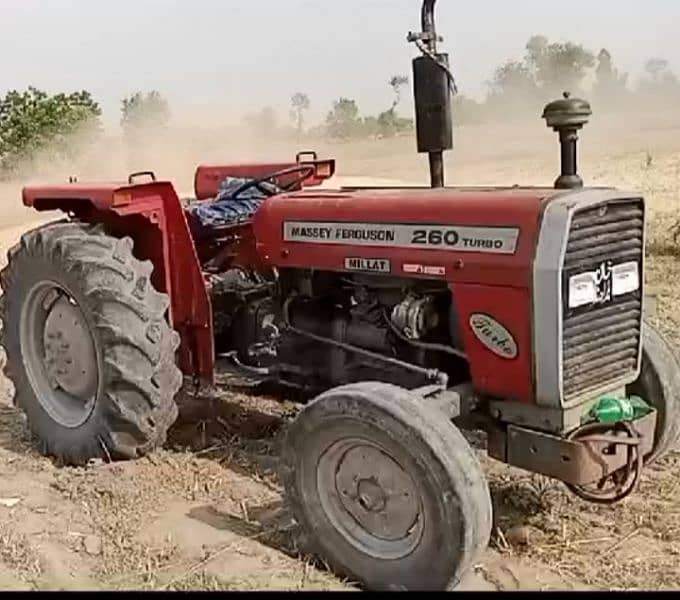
(208, 177)
(503, 208)
(49, 197)
(491, 374)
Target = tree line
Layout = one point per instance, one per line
(36, 125)
(34, 122)
(547, 69)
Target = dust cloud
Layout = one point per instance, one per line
(506, 149)
(507, 144)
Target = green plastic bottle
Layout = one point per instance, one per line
(611, 409)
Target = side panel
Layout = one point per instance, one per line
(496, 328)
(482, 237)
(483, 243)
(191, 310)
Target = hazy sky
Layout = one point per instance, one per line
(234, 56)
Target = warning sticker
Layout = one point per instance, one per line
(424, 270)
(490, 240)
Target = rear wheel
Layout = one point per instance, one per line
(386, 489)
(659, 385)
(89, 350)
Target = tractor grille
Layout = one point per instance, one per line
(601, 342)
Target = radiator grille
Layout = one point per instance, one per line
(601, 342)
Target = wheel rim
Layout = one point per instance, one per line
(370, 499)
(59, 354)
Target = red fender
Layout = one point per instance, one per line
(152, 215)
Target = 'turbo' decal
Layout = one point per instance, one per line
(494, 336)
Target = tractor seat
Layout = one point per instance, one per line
(227, 208)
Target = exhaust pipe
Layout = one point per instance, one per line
(432, 87)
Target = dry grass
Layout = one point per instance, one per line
(631, 546)
(308, 580)
(17, 554)
(208, 464)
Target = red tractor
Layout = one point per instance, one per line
(410, 313)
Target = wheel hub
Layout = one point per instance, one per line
(59, 354)
(370, 498)
(69, 350)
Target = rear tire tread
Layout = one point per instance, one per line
(138, 406)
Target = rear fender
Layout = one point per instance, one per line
(153, 217)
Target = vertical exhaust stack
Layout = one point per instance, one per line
(567, 116)
(432, 86)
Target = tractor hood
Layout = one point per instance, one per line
(482, 235)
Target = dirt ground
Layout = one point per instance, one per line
(205, 512)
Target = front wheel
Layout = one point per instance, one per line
(89, 349)
(386, 489)
(659, 386)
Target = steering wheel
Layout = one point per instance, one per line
(304, 172)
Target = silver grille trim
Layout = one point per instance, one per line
(572, 240)
(601, 344)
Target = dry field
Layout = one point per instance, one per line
(205, 512)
